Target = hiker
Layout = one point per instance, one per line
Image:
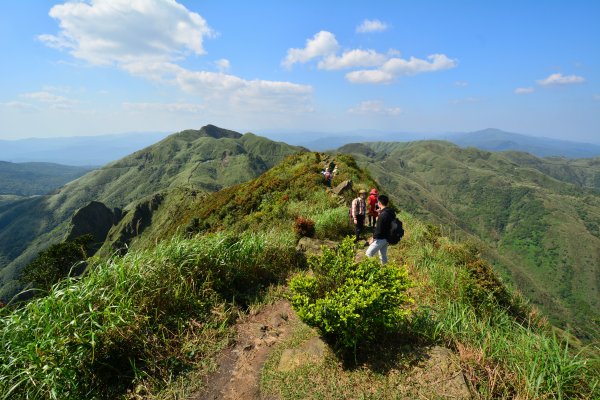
(379, 241)
(328, 177)
(373, 208)
(359, 212)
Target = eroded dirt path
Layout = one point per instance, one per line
(239, 366)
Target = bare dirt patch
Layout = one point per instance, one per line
(239, 366)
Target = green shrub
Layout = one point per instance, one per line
(348, 301)
(56, 263)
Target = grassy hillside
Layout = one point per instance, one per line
(149, 324)
(538, 218)
(207, 160)
(28, 179)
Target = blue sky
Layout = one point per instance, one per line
(110, 66)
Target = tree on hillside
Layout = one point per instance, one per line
(56, 262)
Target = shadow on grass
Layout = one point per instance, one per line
(401, 349)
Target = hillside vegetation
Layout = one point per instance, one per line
(29, 179)
(537, 219)
(207, 160)
(149, 323)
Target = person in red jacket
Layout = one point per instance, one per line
(372, 207)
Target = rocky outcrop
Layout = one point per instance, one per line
(313, 246)
(136, 221)
(343, 187)
(95, 219)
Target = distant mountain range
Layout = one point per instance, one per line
(487, 139)
(77, 150)
(99, 150)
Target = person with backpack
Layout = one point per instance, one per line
(358, 212)
(388, 230)
(328, 177)
(373, 207)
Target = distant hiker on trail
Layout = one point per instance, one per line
(328, 177)
(373, 208)
(332, 166)
(379, 241)
(358, 211)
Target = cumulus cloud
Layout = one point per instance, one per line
(352, 59)
(52, 100)
(374, 25)
(223, 65)
(396, 67)
(122, 31)
(374, 107)
(147, 38)
(18, 105)
(524, 90)
(322, 44)
(164, 107)
(559, 79)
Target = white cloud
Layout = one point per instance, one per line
(559, 79)
(53, 100)
(466, 100)
(322, 44)
(18, 105)
(524, 90)
(461, 83)
(123, 31)
(374, 25)
(352, 59)
(223, 65)
(164, 107)
(147, 38)
(374, 107)
(395, 67)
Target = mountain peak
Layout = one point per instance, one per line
(189, 135)
(218, 133)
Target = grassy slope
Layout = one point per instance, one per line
(207, 159)
(151, 321)
(542, 232)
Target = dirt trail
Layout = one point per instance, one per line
(239, 366)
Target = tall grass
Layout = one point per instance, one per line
(507, 350)
(145, 316)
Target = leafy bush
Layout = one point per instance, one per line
(56, 262)
(304, 227)
(350, 301)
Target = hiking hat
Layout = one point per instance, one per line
(361, 191)
(373, 191)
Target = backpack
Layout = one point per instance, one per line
(396, 231)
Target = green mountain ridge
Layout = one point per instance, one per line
(151, 323)
(539, 219)
(207, 159)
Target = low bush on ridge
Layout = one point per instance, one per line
(349, 301)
